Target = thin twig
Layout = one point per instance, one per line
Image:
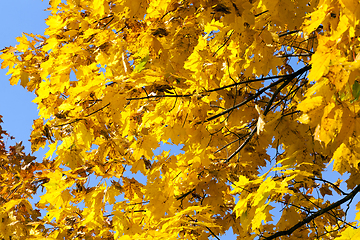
(295, 55)
(245, 82)
(236, 140)
(283, 80)
(257, 15)
(288, 33)
(160, 96)
(334, 186)
(242, 145)
(78, 119)
(267, 109)
(226, 41)
(288, 232)
(212, 233)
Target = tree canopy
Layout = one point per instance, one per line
(228, 80)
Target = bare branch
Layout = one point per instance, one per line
(295, 55)
(350, 196)
(284, 80)
(160, 96)
(333, 185)
(288, 33)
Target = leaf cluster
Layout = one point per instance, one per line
(217, 77)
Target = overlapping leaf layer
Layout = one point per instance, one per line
(114, 79)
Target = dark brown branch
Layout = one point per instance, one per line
(288, 232)
(226, 41)
(98, 110)
(267, 109)
(109, 16)
(303, 49)
(78, 119)
(212, 90)
(212, 233)
(108, 22)
(269, 104)
(242, 145)
(331, 213)
(160, 96)
(182, 196)
(259, 14)
(245, 82)
(236, 140)
(244, 102)
(285, 97)
(333, 185)
(285, 80)
(283, 202)
(295, 55)
(290, 113)
(288, 33)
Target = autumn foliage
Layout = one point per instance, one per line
(228, 80)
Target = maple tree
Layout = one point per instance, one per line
(19, 180)
(114, 79)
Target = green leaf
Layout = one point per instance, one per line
(141, 65)
(356, 91)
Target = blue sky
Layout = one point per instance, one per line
(18, 111)
(16, 105)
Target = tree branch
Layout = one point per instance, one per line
(333, 185)
(245, 82)
(295, 55)
(79, 119)
(351, 195)
(242, 145)
(259, 14)
(288, 33)
(284, 79)
(226, 41)
(160, 96)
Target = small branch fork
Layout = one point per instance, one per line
(212, 233)
(282, 79)
(288, 232)
(330, 183)
(285, 81)
(79, 119)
